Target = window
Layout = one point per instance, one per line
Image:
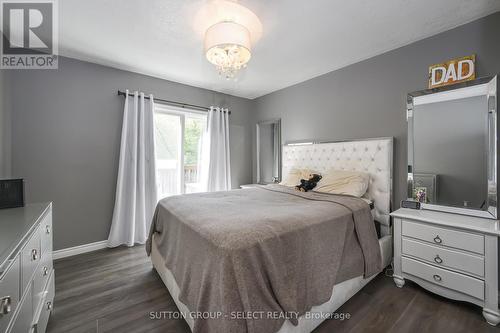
(179, 137)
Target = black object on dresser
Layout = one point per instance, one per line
(11, 193)
(410, 204)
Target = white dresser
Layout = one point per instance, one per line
(455, 256)
(26, 270)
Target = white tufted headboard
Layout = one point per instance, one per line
(373, 156)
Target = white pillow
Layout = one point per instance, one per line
(295, 175)
(344, 182)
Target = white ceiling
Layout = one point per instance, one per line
(301, 39)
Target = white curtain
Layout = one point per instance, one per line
(135, 199)
(216, 171)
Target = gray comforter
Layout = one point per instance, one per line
(252, 258)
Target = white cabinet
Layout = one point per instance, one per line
(452, 255)
(27, 274)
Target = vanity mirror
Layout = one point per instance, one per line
(452, 148)
(268, 151)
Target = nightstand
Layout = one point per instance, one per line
(455, 256)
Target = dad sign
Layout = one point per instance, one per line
(453, 71)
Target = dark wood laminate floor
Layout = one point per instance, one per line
(114, 290)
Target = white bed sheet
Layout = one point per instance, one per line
(340, 294)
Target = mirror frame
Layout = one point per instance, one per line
(257, 130)
(488, 86)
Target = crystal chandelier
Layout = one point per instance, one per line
(230, 30)
(227, 46)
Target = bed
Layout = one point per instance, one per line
(271, 259)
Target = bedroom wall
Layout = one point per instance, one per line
(66, 127)
(5, 126)
(368, 99)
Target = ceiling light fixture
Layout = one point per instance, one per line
(227, 46)
(229, 36)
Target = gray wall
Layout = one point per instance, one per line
(66, 127)
(5, 126)
(368, 99)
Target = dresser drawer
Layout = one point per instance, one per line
(443, 236)
(445, 278)
(9, 292)
(42, 274)
(24, 319)
(46, 233)
(441, 256)
(45, 306)
(30, 258)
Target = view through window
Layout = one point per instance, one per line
(179, 137)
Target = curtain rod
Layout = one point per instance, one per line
(173, 103)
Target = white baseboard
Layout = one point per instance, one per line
(73, 251)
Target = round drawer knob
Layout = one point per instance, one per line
(5, 305)
(34, 254)
(49, 306)
(437, 278)
(47, 229)
(437, 240)
(45, 271)
(438, 259)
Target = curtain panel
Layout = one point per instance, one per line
(136, 193)
(216, 160)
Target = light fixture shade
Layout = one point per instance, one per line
(215, 11)
(227, 33)
(227, 46)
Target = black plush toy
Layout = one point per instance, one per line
(308, 184)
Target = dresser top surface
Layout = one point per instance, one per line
(471, 223)
(16, 224)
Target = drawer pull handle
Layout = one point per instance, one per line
(49, 306)
(47, 229)
(5, 305)
(438, 259)
(437, 278)
(437, 240)
(45, 271)
(34, 254)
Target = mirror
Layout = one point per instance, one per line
(269, 151)
(452, 148)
